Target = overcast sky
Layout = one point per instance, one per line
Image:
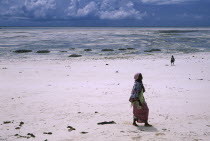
(104, 12)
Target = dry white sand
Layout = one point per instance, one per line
(49, 95)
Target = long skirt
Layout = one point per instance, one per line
(140, 113)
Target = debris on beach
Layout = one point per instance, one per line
(22, 51)
(106, 122)
(7, 122)
(48, 133)
(29, 135)
(32, 135)
(17, 128)
(164, 129)
(43, 51)
(70, 128)
(20, 136)
(75, 55)
(21, 123)
(83, 132)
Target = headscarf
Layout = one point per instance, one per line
(138, 77)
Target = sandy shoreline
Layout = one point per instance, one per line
(50, 94)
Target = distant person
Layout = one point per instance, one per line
(172, 60)
(140, 109)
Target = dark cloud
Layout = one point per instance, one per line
(67, 9)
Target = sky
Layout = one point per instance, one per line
(182, 13)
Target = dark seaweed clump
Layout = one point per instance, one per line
(106, 122)
(43, 51)
(70, 128)
(75, 55)
(29, 135)
(49, 133)
(87, 49)
(83, 132)
(130, 48)
(151, 50)
(7, 122)
(22, 51)
(107, 50)
(122, 49)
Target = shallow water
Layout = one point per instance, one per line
(75, 40)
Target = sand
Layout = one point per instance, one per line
(44, 96)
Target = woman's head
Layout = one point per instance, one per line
(138, 76)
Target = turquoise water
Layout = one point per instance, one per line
(66, 40)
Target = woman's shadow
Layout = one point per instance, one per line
(147, 129)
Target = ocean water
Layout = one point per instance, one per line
(64, 41)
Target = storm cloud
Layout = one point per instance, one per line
(67, 10)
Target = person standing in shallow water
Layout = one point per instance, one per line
(172, 60)
(140, 108)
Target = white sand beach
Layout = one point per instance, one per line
(48, 95)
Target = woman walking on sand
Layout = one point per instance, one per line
(140, 108)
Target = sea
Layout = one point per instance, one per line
(102, 41)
